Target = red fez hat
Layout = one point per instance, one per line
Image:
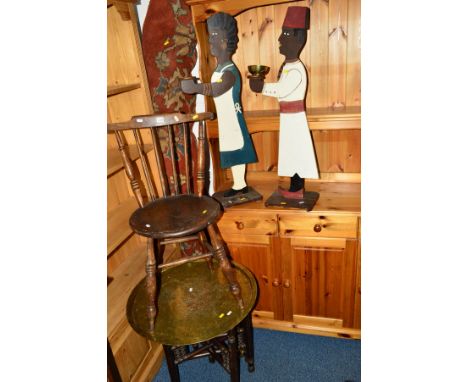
(297, 18)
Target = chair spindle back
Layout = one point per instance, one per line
(178, 142)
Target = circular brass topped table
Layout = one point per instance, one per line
(194, 303)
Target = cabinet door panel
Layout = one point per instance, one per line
(323, 278)
(131, 354)
(257, 254)
(357, 308)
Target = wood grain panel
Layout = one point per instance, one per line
(337, 32)
(318, 42)
(323, 281)
(331, 55)
(338, 151)
(248, 54)
(124, 67)
(268, 50)
(118, 228)
(117, 190)
(266, 146)
(202, 9)
(133, 244)
(295, 327)
(316, 225)
(353, 60)
(128, 95)
(131, 354)
(258, 257)
(260, 224)
(357, 307)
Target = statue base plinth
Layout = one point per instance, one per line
(235, 200)
(306, 203)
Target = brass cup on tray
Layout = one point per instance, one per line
(258, 71)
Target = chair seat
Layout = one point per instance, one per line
(175, 216)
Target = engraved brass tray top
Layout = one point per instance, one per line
(194, 304)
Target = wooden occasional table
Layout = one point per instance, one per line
(198, 316)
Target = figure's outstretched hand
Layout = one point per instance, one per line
(188, 85)
(256, 84)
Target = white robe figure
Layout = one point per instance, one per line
(296, 149)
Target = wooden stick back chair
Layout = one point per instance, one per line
(178, 214)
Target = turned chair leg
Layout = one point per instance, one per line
(150, 284)
(202, 239)
(228, 271)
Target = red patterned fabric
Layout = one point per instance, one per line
(169, 54)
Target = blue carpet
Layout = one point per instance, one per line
(283, 357)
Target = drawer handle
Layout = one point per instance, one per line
(276, 283)
(265, 279)
(240, 225)
(287, 284)
(317, 228)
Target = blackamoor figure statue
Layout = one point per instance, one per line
(235, 144)
(296, 157)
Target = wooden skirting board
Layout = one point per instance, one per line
(263, 320)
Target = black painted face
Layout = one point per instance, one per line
(290, 45)
(217, 40)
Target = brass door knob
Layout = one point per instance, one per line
(276, 283)
(287, 283)
(317, 227)
(240, 225)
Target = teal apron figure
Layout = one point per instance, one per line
(235, 144)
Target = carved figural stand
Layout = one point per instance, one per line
(296, 158)
(235, 145)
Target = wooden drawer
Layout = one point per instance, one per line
(248, 223)
(318, 225)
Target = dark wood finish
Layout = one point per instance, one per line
(226, 349)
(172, 364)
(235, 200)
(129, 168)
(160, 162)
(234, 366)
(187, 154)
(144, 164)
(113, 374)
(202, 148)
(174, 216)
(306, 203)
(228, 271)
(150, 268)
(245, 334)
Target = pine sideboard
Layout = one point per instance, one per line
(307, 264)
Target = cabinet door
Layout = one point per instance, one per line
(319, 281)
(258, 253)
(137, 358)
(357, 307)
